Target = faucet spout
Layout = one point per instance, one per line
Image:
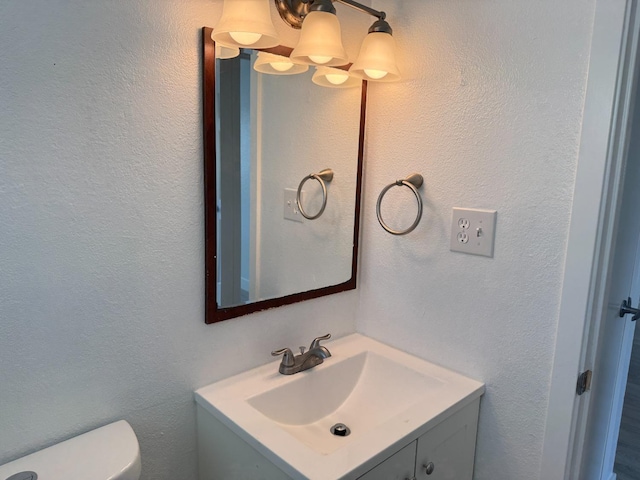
(293, 364)
(314, 357)
(320, 351)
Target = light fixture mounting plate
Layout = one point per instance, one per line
(293, 11)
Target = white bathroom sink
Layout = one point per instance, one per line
(386, 397)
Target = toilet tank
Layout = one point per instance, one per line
(107, 453)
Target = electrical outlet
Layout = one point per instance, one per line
(473, 231)
(291, 211)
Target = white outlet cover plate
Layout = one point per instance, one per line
(291, 211)
(473, 231)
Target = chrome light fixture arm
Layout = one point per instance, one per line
(294, 11)
(363, 8)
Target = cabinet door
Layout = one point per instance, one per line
(446, 452)
(400, 466)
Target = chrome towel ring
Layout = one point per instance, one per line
(325, 175)
(413, 182)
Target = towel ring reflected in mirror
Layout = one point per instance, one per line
(413, 182)
(325, 175)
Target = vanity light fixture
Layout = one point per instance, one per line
(377, 55)
(277, 65)
(320, 38)
(225, 53)
(335, 78)
(247, 23)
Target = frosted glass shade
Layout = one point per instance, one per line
(320, 41)
(277, 65)
(246, 23)
(377, 59)
(335, 78)
(224, 53)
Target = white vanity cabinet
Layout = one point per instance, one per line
(402, 411)
(448, 449)
(445, 452)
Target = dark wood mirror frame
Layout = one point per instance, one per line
(213, 313)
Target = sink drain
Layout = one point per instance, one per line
(24, 476)
(340, 430)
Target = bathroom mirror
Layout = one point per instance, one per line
(263, 134)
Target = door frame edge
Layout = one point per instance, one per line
(598, 178)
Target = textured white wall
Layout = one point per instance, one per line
(490, 113)
(101, 244)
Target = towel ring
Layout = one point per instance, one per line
(413, 182)
(325, 175)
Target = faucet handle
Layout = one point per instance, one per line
(317, 340)
(287, 359)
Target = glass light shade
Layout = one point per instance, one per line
(224, 53)
(246, 23)
(377, 59)
(320, 41)
(334, 78)
(277, 65)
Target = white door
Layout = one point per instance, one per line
(611, 364)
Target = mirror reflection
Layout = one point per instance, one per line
(272, 132)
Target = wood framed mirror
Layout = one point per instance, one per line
(263, 134)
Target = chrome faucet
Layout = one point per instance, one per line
(298, 363)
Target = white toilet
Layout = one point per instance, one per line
(107, 453)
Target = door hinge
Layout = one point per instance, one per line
(584, 382)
